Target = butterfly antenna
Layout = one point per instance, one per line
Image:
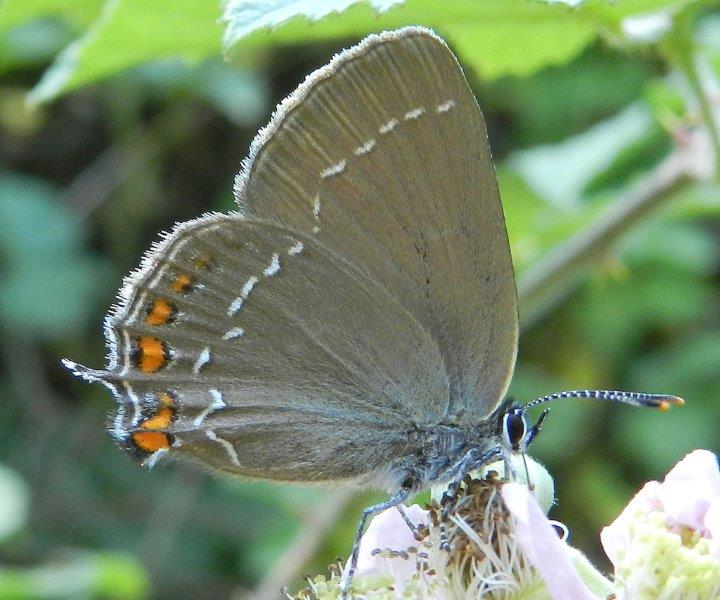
(660, 401)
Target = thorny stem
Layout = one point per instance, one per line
(541, 283)
(548, 279)
(681, 49)
(690, 70)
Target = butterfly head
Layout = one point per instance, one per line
(517, 434)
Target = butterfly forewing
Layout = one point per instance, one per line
(364, 292)
(383, 156)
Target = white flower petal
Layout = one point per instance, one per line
(712, 526)
(690, 489)
(541, 544)
(615, 538)
(389, 531)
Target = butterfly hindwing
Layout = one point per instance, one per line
(237, 334)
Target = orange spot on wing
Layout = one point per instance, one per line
(182, 284)
(160, 420)
(161, 312)
(151, 354)
(151, 441)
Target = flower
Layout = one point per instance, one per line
(484, 560)
(488, 557)
(666, 542)
(553, 558)
(389, 548)
(665, 545)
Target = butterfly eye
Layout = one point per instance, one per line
(514, 428)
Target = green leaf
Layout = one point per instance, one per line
(49, 298)
(29, 205)
(129, 33)
(666, 285)
(78, 12)
(685, 366)
(14, 502)
(120, 577)
(699, 199)
(481, 31)
(113, 576)
(562, 172)
(47, 282)
(245, 16)
(534, 225)
(611, 14)
(241, 95)
(484, 45)
(32, 44)
(648, 432)
(558, 102)
(638, 156)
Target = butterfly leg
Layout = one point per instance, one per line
(411, 526)
(468, 463)
(394, 500)
(510, 473)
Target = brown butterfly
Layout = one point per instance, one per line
(355, 321)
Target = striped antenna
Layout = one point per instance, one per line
(660, 401)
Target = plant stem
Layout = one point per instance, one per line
(305, 545)
(680, 49)
(686, 63)
(540, 285)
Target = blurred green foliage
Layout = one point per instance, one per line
(148, 125)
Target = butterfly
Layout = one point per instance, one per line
(355, 320)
